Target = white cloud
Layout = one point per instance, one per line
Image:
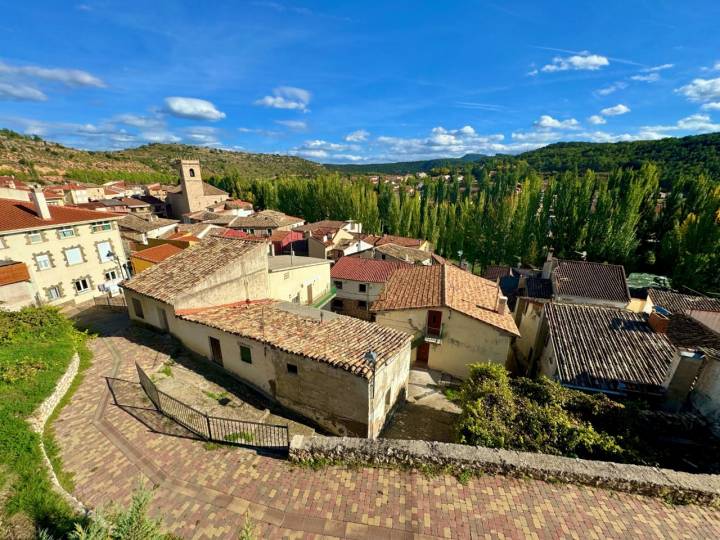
(287, 97)
(614, 87)
(700, 90)
(661, 67)
(597, 119)
(139, 121)
(653, 76)
(615, 110)
(197, 109)
(357, 136)
(20, 92)
(160, 137)
(580, 61)
(201, 135)
(68, 77)
(712, 106)
(295, 125)
(548, 122)
(697, 123)
(348, 157)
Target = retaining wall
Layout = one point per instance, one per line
(677, 487)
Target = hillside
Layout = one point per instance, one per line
(33, 157)
(674, 156)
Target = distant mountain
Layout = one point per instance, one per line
(406, 167)
(674, 156)
(33, 157)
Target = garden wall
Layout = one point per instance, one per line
(673, 486)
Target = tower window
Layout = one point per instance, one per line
(192, 172)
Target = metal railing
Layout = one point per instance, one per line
(325, 298)
(214, 428)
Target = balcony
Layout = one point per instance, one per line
(434, 335)
(325, 298)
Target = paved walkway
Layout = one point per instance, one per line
(203, 493)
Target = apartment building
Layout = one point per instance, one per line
(71, 253)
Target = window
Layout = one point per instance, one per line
(388, 397)
(73, 256)
(101, 226)
(137, 308)
(43, 262)
(53, 293)
(192, 173)
(286, 275)
(292, 369)
(362, 304)
(111, 275)
(66, 232)
(362, 287)
(104, 251)
(269, 231)
(338, 284)
(81, 285)
(245, 354)
(35, 237)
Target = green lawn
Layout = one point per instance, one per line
(36, 346)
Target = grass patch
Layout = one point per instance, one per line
(166, 368)
(453, 394)
(36, 346)
(241, 436)
(210, 446)
(221, 397)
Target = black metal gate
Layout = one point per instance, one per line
(213, 428)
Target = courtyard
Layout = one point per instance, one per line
(204, 492)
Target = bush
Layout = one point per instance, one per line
(533, 415)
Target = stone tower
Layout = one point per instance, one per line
(192, 185)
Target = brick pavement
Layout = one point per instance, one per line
(203, 493)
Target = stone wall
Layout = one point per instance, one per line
(41, 415)
(677, 487)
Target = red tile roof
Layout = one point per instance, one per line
(445, 285)
(403, 241)
(6, 181)
(361, 269)
(158, 253)
(19, 215)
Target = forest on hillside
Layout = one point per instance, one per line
(514, 215)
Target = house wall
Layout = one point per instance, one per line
(349, 295)
(15, 194)
(528, 315)
(317, 249)
(139, 265)
(705, 397)
(547, 364)
(388, 388)
(16, 296)
(465, 340)
(292, 283)
(332, 397)
(17, 246)
(711, 319)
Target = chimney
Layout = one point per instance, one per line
(38, 199)
(658, 322)
(681, 375)
(501, 303)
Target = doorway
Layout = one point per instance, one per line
(310, 296)
(216, 351)
(423, 354)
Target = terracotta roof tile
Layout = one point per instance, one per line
(590, 280)
(361, 269)
(413, 287)
(19, 215)
(270, 219)
(182, 272)
(404, 253)
(682, 303)
(157, 253)
(494, 271)
(607, 348)
(142, 224)
(322, 336)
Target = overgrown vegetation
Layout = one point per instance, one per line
(542, 416)
(36, 346)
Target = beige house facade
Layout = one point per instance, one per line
(71, 254)
(301, 280)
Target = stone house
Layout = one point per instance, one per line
(141, 229)
(358, 283)
(71, 253)
(300, 280)
(333, 243)
(455, 317)
(192, 195)
(217, 298)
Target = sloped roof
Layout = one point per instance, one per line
(19, 215)
(208, 190)
(362, 269)
(403, 241)
(607, 348)
(136, 223)
(323, 224)
(319, 335)
(157, 253)
(408, 254)
(264, 219)
(444, 285)
(180, 273)
(495, 271)
(538, 288)
(590, 280)
(682, 303)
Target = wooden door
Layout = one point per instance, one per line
(216, 351)
(310, 297)
(423, 354)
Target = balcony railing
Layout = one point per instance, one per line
(325, 298)
(434, 335)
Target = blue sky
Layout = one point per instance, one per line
(359, 82)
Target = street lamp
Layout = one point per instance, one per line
(115, 258)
